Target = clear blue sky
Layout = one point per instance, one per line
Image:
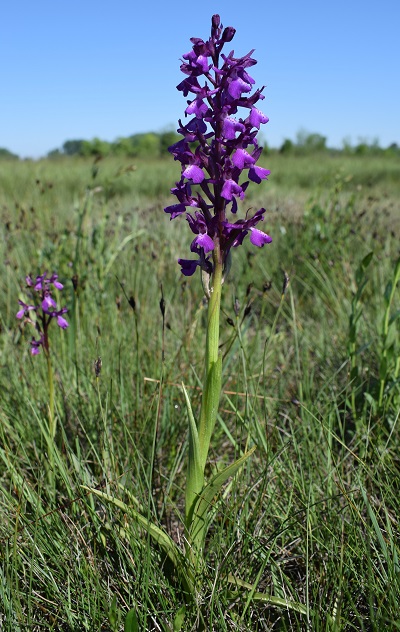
(86, 68)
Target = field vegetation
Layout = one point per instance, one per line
(311, 377)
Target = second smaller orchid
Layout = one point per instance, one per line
(42, 310)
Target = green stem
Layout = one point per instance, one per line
(353, 376)
(212, 376)
(52, 422)
(200, 435)
(52, 419)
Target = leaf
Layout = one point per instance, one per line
(362, 283)
(378, 532)
(179, 619)
(194, 445)
(363, 266)
(212, 489)
(131, 622)
(121, 246)
(209, 407)
(353, 373)
(363, 347)
(265, 598)
(397, 268)
(392, 541)
(195, 476)
(388, 292)
(371, 401)
(383, 368)
(394, 317)
(159, 535)
(112, 613)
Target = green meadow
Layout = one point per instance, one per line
(311, 377)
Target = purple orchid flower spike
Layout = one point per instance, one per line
(218, 148)
(45, 307)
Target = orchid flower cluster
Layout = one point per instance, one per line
(45, 309)
(216, 148)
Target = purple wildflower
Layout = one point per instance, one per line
(57, 284)
(256, 174)
(61, 322)
(242, 159)
(235, 233)
(193, 173)
(36, 345)
(256, 117)
(232, 188)
(258, 238)
(48, 302)
(231, 127)
(217, 148)
(204, 241)
(45, 308)
(25, 309)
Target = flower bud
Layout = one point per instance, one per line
(228, 34)
(215, 21)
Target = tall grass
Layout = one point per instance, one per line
(315, 518)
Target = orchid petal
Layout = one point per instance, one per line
(231, 188)
(175, 210)
(242, 159)
(257, 117)
(258, 238)
(205, 242)
(256, 174)
(194, 173)
(61, 322)
(188, 266)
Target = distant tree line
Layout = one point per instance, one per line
(155, 145)
(5, 154)
(312, 143)
(147, 145)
